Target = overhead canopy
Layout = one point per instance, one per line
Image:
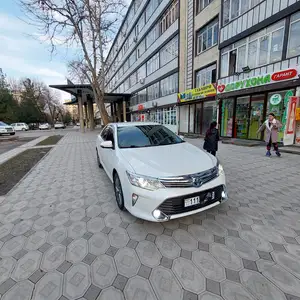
(86, 89)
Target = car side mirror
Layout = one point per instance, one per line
(182, 137)
(107, 144)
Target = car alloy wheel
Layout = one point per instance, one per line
(118, 192)
(98, 160)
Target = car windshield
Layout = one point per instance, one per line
(146, 136)
(3, 124)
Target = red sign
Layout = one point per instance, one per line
(291, 120)
(140, 107)
(284, 75)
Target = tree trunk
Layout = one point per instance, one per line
(99, 99)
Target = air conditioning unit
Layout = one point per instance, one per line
(142, 80)
(135, 39)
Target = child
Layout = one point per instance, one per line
(211, 139)
(271, 128)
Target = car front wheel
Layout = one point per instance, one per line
(118, 192)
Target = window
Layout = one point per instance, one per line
(110, 135)
(206, 76)
(153, 64)
(207, 37)
(294, 41)
(132, 58)
(141, 72)
(133, 79)
(169, 17)
(142, 96)
(151, 7)
(141, 48)
(152, 36)
(201, 4)
(169, 116)
(234, 8)
(169, 85)
(261, 48)
(169, 51)
(140, 25)
(134, 99)
(153, 91)
(126, 66)
(126, 84)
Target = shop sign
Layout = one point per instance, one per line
(259, 80)
(140, 107)
(289, 133)
(275, 99)
(208, 90)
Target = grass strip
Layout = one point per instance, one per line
(13, 170)
(51, 140)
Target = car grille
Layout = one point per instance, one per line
(9, 130)
(173, 206)
(193, 180)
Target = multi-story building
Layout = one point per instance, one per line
(259, 66)
(199, 56)
(143, 61)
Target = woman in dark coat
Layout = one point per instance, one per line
(211, 139)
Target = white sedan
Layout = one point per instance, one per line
(157, 176)
(44, 126)
(59, 125)
(6, 129)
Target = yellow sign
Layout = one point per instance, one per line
(298, 114)
(198, 93)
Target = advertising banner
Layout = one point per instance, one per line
(256, 81)
(290, 127)
(208, 90)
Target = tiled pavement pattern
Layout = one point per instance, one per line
(62, 236)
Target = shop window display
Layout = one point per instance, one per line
(241, 124)
(209, 114)
(227, 117)
(256, 115)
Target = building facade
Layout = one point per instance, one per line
(259, 67)
(199, 59)
(143, 61)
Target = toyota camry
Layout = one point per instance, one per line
(157, 176)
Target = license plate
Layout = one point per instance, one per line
(191, 201)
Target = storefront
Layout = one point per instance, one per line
(163, 115)
(245, 104)
(197, 109)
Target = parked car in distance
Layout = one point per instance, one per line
(59, 125)
(20, 126)
(44, 126)
(6, 129)
(157, 176)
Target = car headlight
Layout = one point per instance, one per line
(144, 182)
(220, 168)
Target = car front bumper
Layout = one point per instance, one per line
(168, 203)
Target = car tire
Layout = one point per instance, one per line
(118, 192)
(13, 133)
(98, 160)
(23, 129)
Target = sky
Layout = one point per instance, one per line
(23, 54)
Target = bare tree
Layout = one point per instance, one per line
(90, 24)
(52, 103)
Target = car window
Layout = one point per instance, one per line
(110, 135)
(19, 124)
(146, 136)
(103, 133)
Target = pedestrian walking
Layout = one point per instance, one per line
(271, 128)
(211, 139)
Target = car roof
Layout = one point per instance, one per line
(128, 124)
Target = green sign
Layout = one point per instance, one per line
(275, 99)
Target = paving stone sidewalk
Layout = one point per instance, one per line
(62, 236)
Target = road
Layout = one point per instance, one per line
(63, 237)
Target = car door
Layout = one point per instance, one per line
(101, 152)
(109, 153)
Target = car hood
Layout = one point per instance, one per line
(170, 160)
(6, 127)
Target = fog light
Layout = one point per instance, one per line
(135, 198)
(224, 194)
(159, 215)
